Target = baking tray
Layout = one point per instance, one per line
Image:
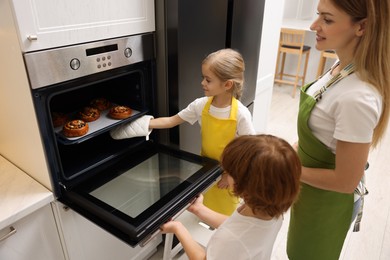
(102, 124)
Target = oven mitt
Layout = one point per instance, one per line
(138, 127)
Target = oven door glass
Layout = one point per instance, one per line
(143, 189)
(138, 188)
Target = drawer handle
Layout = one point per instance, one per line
(32, 38)
(10, 233)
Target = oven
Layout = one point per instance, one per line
(128, 187)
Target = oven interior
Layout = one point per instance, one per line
(73, 159)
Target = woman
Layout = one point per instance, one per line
(341, 116)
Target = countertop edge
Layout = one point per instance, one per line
(20, 194)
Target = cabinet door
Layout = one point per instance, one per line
(46, 24)
(34, 237)
(85, 240)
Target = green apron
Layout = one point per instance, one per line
(320, 219)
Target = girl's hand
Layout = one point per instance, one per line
(223, 182)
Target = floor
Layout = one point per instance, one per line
(373, 240)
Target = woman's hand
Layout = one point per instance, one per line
(351, 159)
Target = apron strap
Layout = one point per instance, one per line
(360, 191)
(349, 69)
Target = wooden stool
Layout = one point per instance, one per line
(324, 55)
(292, 42)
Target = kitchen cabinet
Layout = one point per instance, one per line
(44, 24)
(32, 237)
(85, 240)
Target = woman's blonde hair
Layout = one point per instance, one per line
(266, 171)
(372, 55)
(228, 64)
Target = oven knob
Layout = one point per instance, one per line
(75, 64)
(128, 52)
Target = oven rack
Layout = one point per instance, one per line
(102, 124)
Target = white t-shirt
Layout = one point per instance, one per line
(193, 113)
(242, 237)
(348, 111)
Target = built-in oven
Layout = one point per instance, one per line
(128, 187)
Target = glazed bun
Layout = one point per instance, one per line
(100, 103)
(89, 114)
(120, 112)
(75, 128)
(58, 119)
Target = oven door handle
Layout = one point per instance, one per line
(158, 231)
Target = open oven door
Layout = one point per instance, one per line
(142, 189)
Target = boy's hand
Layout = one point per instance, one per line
(171, 227)
(196, 205)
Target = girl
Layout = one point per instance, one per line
(341, 115)
(221, 115)
(264, 171)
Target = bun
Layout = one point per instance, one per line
(120, 112)
(75, 128)
(89, 114)
(100, 103)
(58, 119)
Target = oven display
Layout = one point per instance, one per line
(102, 49)
(138, 188)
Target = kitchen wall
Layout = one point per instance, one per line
(273, 14)
(282, 13)
(300, 9)
(300, 14)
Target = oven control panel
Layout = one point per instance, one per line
(53, 66)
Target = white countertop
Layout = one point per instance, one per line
(20, 194)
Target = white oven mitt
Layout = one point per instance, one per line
(138, 127)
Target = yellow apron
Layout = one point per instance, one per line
(216, 134)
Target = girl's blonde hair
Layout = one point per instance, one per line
(228, 64)
(372, 55)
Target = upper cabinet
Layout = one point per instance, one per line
(44, 24)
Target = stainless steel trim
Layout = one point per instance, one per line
(10, 233)
(53, 66)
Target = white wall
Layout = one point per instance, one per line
(300, 14)
(272, 21)
(300, 9)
